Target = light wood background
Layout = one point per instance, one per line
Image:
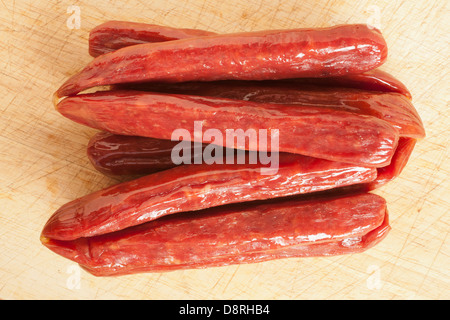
(43, 161)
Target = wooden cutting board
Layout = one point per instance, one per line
(44, 163)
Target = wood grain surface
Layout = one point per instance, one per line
(44, 163)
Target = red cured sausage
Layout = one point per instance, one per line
(391, 107)
(119, 155)
(237, 234)
(317, 132)
(136, 156)
(196, 187)
(113, 35)
(276, 54)
(130, 155)
(373, 80)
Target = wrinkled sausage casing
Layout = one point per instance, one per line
(313, 131)
(384, 175)
(262, 55)
(236, 234)
(196, 187)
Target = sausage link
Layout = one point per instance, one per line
(113, 35)
(261, 55)
(312, 131)
(196, 187)
(392, 107)
(234, 234)
(372, 80)
(130, 155)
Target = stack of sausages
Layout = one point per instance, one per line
(344, 129)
